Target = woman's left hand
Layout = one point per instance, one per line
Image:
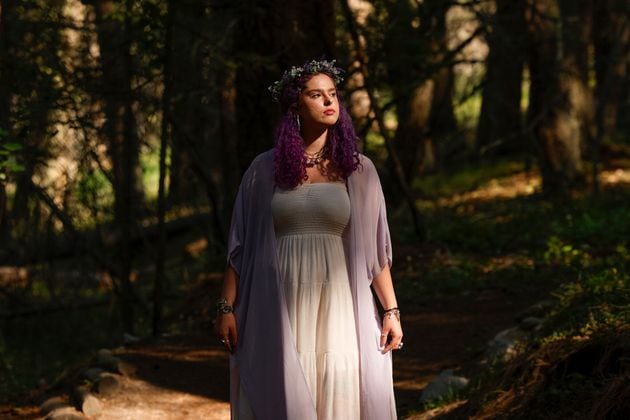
(391, 335)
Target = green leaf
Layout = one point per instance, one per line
(15, 167)
(12, 147)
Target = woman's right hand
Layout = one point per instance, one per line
(225, 329)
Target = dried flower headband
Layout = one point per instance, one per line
(310, 67)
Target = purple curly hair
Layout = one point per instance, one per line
(289, 157)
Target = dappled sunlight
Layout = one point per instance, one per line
(522, 184)
(503, 262)
(615, 176)
(138, 399)
(519, 184)
(174, 353)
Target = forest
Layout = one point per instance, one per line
(501, 134)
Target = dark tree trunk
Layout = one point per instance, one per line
(611, 39)
(558, 99)
(413, 92)
(442, 118)
(197, 153)
(576, 34)
(442, 122)
(424, 108)
(269, 39)
(120, 129)
(229, 138)
(500, 118)
(188, 106)
(160, 257)
(413, 134)
(6, 8)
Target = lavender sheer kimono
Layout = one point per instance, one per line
(265, 363)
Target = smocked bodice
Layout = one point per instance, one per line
(319, 208)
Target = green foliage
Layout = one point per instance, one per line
(9, 157)
(597, 301)
(451, 396)
(559, 252)
(95, 198)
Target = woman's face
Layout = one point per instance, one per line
(318, 105)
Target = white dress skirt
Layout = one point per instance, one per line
(309, 222)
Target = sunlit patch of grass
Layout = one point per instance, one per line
(467, 178)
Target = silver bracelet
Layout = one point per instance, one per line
(389, 313)
(223, 307)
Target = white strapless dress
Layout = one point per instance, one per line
(309, 222)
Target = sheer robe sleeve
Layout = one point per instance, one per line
(376, 229)
(236, 233)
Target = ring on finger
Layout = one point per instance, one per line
(400, 345)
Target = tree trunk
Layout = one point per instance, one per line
(187, 107)
(558, 99)
(611, 39)
(413, 90)
(229, 136)
(442, 122)
(500, 118)
(195, 112)
(120, 130)
(160, 256)
(442, 119)
(6, 8)
(424, 105)
(413, 132)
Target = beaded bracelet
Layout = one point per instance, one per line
(392, 312)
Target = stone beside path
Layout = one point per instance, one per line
(168, 379)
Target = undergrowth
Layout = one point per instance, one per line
(578, 364)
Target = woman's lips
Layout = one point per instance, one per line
(330, 112)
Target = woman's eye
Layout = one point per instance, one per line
(315, 95)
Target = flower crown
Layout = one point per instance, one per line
(310, 67)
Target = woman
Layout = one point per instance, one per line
(309, 236)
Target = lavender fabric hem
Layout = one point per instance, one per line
(266, 363)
